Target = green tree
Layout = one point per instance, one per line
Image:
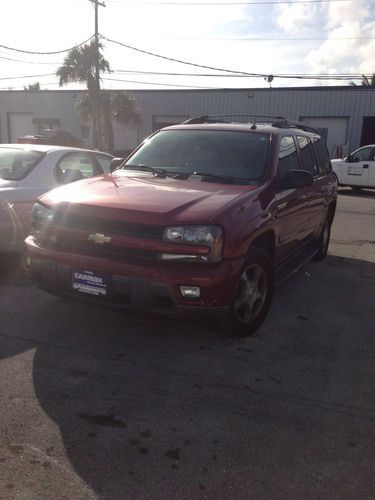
(114, 105)
(32, 86)
(79, 66)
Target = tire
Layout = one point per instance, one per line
(254, 294)
(323, 242)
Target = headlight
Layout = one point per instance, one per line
(41, 213)
(206, 236)
(41, 217)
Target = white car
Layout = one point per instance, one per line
(357, 170)
(29, 170)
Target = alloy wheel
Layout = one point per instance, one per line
(251, 293)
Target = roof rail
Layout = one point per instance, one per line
(220, 118)
(284, 123)
(203, 119)
(280, 122)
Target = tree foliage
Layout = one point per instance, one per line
(32, 86)
(114, 105)
(366, 81)
(79, 66)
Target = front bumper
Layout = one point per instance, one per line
(12, 232)
(144, 289)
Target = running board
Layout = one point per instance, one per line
(293, 265)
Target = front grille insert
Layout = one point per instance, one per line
(107, 226)
(85, 247)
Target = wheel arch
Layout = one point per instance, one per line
(332, 210)
(265, 241)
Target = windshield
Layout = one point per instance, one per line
(17, 163)
(240, 155)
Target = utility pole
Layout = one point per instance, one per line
(96, 114)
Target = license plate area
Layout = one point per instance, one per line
(90, 283)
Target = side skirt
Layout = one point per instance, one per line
(292, 265)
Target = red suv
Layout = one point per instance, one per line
(200, 221)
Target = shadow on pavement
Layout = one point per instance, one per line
(359, 193)
(11, 272)
(148, 408)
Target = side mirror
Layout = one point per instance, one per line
(115, 163)
(296, 179)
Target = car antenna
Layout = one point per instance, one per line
(254, 125)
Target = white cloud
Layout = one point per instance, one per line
(295, 17)
(351, 21)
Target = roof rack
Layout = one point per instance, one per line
(203, 119)
(220, 118)
(280, 122)
(284, 123)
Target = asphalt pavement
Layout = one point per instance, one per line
(98, 404)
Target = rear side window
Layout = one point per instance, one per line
(75, 166)
(288, 159)
(307, 155)
(322, 155)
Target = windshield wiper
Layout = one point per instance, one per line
(146, 168)
(226, 178)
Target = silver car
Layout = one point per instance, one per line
(29, 170)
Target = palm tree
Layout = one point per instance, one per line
(114, 105)
(79, 66)
(366, 81)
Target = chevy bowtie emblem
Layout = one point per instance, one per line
(99, 238)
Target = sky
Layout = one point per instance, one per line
(320, 37)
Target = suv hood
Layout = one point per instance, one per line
(143, 195)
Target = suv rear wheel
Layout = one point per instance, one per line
(254, 293)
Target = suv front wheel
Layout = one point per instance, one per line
(253, 295)
(323, 242)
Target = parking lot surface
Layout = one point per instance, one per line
(97, 404)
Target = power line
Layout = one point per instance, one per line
(27, 62)
(45, 53)
(26, 76)
(215, 4)
(342, 76)
(243, 73)
(153, 83)
(317, 76)
(162, 73)
(252, 39)
(179, 60)
(22, 86)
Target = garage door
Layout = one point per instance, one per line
(20, 124)
(334, 129)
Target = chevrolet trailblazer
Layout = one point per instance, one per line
(201, 220)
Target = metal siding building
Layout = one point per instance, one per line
(344, 112)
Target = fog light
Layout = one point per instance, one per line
(190, 292)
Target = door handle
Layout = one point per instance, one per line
(365, 165)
